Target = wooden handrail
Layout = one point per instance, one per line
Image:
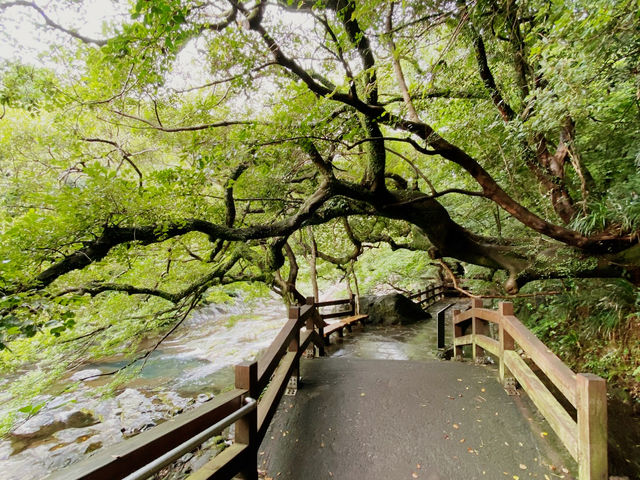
(330, 303)
(121, 459)
(327, 316)
(273, 354)
(585, 439)
(427, 297)
(429, 289)
(344, 313)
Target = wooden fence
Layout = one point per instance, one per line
(425, 298)
(348, 317)
(586, 437)
(265, 379)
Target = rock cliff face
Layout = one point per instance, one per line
(392, 309)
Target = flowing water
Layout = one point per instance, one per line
(192, 365)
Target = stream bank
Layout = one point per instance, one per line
(192, 366)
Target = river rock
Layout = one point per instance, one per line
(84, 375)
(138, 412)
(47, 423)
(391, 309)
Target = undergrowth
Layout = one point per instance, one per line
(594, 326)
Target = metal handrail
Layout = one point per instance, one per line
(172, 455)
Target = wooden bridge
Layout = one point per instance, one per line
(259, 387)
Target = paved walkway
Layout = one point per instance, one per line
(358, 419)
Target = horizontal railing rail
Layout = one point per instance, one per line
(584, 438)
(427, 297)
(122, 459)
(267, 379)
(349, 317)
(351, 310)
(330, 303)
(186, 447)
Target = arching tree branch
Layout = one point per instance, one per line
(49, 22)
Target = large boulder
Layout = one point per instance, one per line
(392, 309)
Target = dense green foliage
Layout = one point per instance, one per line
(195, 145)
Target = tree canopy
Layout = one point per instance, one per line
(201, 143)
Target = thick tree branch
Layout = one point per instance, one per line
(203, 283)
(489, 82)
(229, 200)
(597, 243)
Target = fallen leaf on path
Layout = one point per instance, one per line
(456, 426)
(414, 475)
(523, 466)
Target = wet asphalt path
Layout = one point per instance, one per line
(358, 419)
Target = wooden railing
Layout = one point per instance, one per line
(430, 295)
(351, 310)
(347, 317)
(586, 437)
(265, 379)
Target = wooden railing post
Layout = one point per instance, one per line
(457, 332)
(506, 343)
(320, 331)
(592, 427)
(294, 345)
(478, 327)
(247, 426)
(310, 326)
